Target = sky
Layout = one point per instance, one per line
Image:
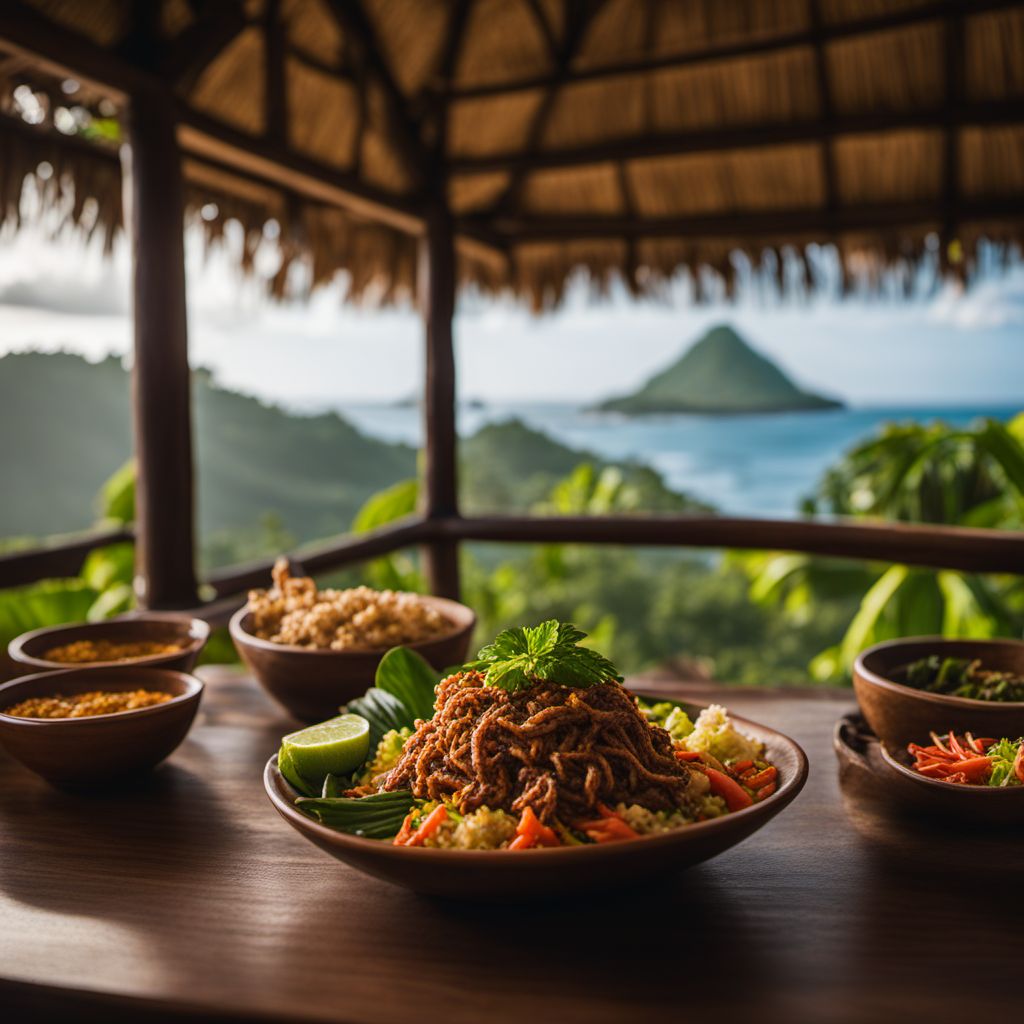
(942, 348)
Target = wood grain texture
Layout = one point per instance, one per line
(188, 898)
(161, 386)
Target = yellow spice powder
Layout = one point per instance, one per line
(80, 705)
(84, 651)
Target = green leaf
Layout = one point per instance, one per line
(375, 817)
(549, 652)
(865, 622)
(383, 711)
(410, 679)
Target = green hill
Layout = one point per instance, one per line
(65, 427)
(721, 374)
(267, 479)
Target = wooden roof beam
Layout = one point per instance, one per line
(748, 225)
(803, 37)
(195, 49)
(405, 130)
(828, 158)
(65, 54)
(580, 14)
(740, 137)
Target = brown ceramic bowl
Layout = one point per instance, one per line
(506, 876)
(135, 627)
(899, 714)
(97, 748)
(312, 684)
(978, 804)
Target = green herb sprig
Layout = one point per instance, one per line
(550, 652)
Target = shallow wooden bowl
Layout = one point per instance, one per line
(312, 684)
(98, 748)
(510, 876)
(135, 627)
(899, 714)
(856, 744)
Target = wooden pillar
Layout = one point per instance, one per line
(440, 472)
(161, 401)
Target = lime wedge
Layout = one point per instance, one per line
(335, 747)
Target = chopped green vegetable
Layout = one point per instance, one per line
(678, 724)
(715, 734)
(375, 817)
(550, 652)
(962, 677)
(656, 713)
(1004, 756)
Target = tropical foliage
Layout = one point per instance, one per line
(103, 587)
(916, 473)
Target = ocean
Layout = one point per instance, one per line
(743, 465)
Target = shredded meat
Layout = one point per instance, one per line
(558, 750)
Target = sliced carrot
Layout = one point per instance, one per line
(687, 755)
(742, 766)
(530, 825)
(404, 832)
(430, 825)
(765, 791)
(1018, 763)
(523, 842)
(761, 779)
(734, 795)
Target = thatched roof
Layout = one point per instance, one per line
(630, 139)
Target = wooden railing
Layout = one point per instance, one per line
(939, 547)
(63, 558)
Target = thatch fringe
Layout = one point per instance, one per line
(81, 182)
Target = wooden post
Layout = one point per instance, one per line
(440, 477)
(164, 554)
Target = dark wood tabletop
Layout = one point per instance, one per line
(188, 898)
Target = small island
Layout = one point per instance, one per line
(721, 374)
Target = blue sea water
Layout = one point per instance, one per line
(743, 465)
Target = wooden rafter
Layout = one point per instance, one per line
(955, 73)
(63, 53)
(784, 41)
(198, 45)
(275, 94)
(776, 223)
(828, 160)
(405, 132)
(546, 30)
(739, 137)
(446, 67)
(579, 14)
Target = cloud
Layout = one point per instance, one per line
(992, 303)
(67, 295)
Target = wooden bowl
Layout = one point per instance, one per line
(986, 805)
(508, 876)
(98, 748)
(312, 684)
(135, 627)
(899, 714)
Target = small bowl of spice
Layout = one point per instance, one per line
(313, 650)
(80, 726)
(153, 639)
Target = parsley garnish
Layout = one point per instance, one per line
(549, 652)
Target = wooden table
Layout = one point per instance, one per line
(189, 897)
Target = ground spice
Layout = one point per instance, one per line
(81, 705)
(83, 651)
